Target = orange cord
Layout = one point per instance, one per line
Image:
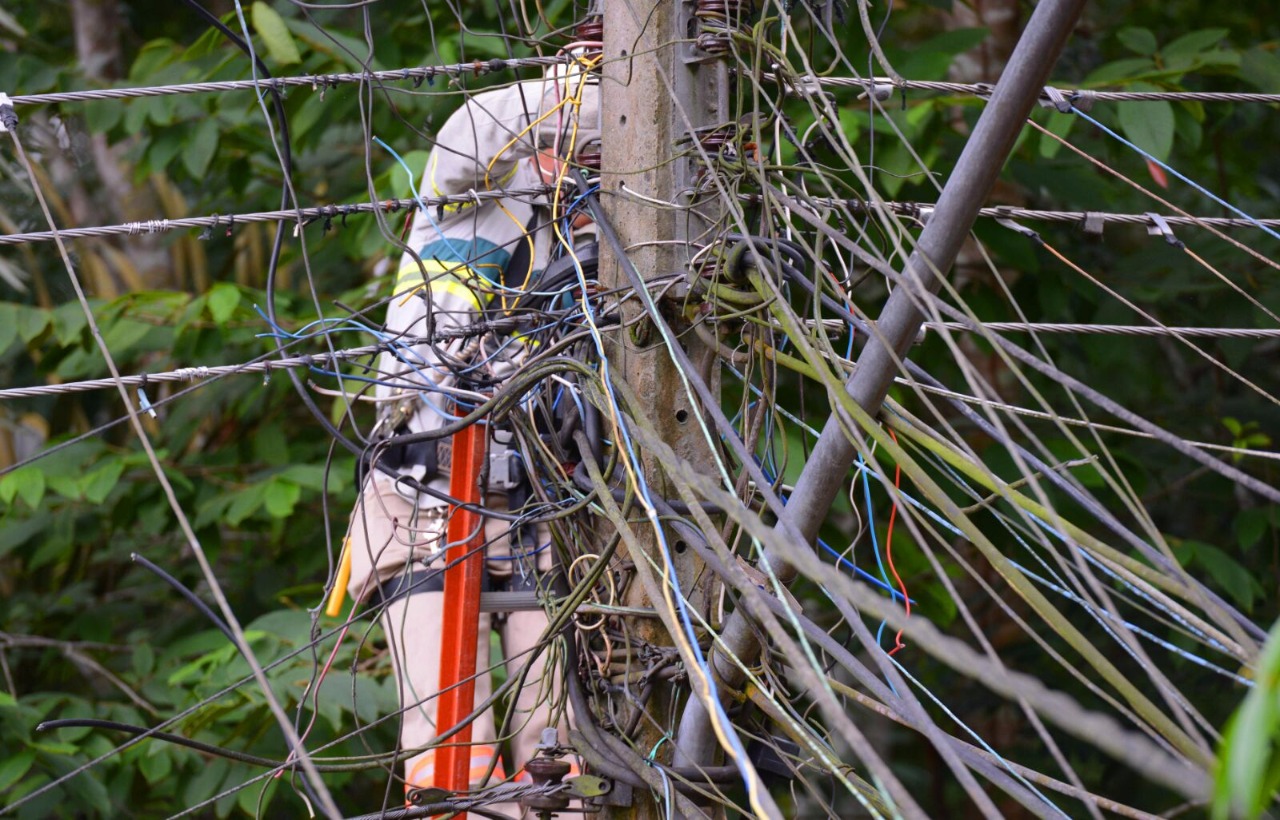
(888, 549)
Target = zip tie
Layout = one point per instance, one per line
(880, 91)
(143, 401)
(190, 374)
(149, 226)
(1160, 227)
(1005, 219)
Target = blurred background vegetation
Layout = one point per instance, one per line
(87, 632)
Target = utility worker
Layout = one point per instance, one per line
(464, 260)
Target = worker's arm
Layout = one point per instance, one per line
(481, 143)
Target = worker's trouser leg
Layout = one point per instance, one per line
(389, 539)
(413, 633)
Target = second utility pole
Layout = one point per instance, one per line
(653, 90)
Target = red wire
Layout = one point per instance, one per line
(888, 549)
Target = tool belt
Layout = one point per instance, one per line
(505, 474)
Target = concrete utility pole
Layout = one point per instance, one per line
(651, 92)
(827, 469)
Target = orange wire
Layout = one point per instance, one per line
(888, 549)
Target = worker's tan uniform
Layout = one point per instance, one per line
(504, 139)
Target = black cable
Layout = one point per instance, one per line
(188, 594)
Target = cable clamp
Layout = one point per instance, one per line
(8, 117)
(1094, 222)
(1160, 227)
(1083, 101)
(923, 214)
(1055, 100)
(882, 91)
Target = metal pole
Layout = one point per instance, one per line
(460, 629)
(963, 195)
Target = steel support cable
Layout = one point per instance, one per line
(300, 216)
(975, 174)
(313, 81)
(1092, 220)
(196, 373)
(1049, 97)
(306, 216)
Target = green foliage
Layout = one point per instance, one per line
(1248, 771)
(254, 472)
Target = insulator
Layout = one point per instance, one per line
(717, 19)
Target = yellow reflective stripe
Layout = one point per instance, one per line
(531, 342)
(423, 772)
(444, 278)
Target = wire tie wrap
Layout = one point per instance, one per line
(1160, 227)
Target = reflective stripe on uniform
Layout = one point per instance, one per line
(445, 278)
(423, 772)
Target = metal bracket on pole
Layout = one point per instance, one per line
(461, 626)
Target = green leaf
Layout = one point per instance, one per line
(13, 767)
(271, 27)
(1191, 44)
(280, 497)
(254, 801)
(312, 476)
(206, 781)
(27, 483)
(1059, 124)
(15, 533)
(1248, 745)
(1261, 68)
(144, 659)
(122, 335)
(98, 484)
(1137, 40)
(1150, 125)
(8, 325)
(1251, 525)
(31, 322)
(200, 147)
(156, 765)
(222, 300)
(1224, 569)
(68, 322)
(246, 503)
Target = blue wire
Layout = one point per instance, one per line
(977, 737)
(865, 473)
(1177, 174)
(413, 186)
